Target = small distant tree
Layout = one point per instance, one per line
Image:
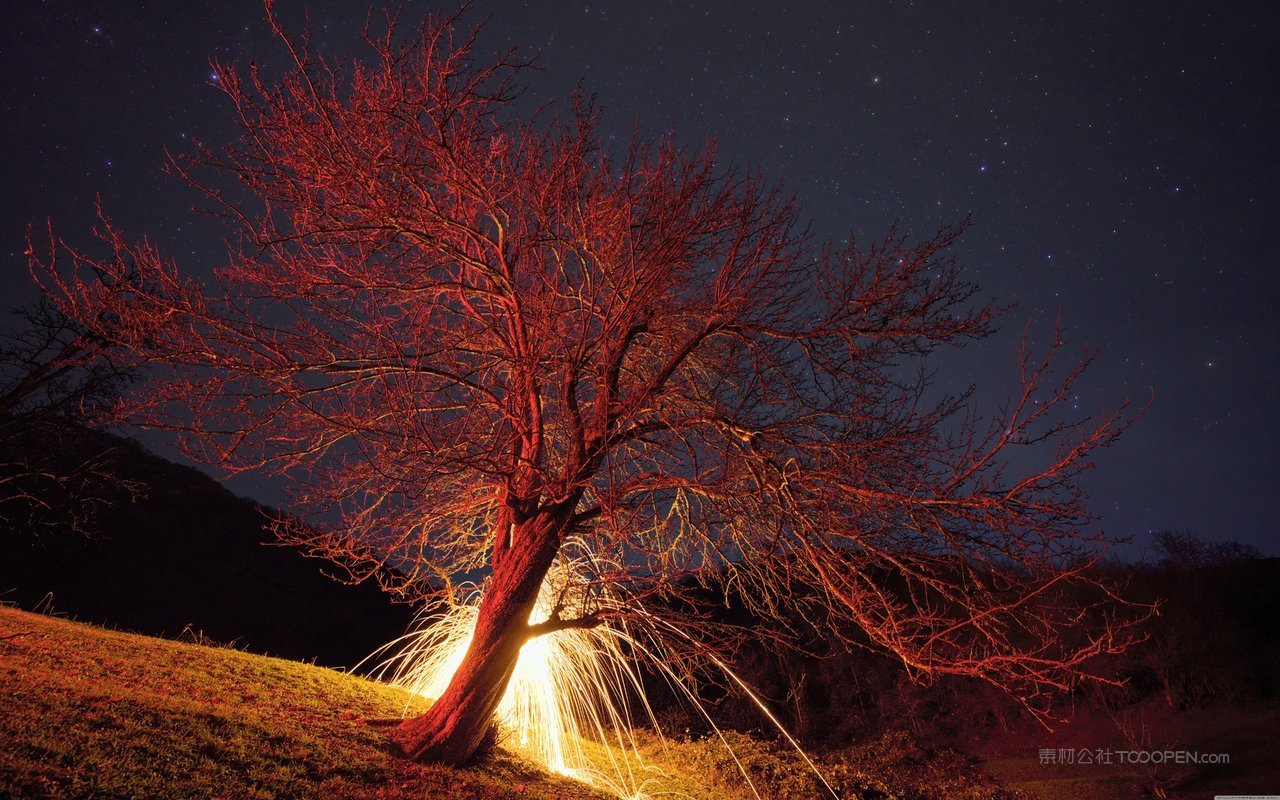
(1186, 550)
(470, 337)
(54, 374)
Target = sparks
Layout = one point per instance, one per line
(575, 695)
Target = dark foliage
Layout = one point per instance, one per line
(1214, 644)
(1218, 636)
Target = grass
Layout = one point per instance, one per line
(893, 766)
(94, 713)
(1069, 782)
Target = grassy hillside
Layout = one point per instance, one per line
(93, 713)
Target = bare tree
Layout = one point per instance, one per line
(54, 374)
(1186, 550)
(471, 338)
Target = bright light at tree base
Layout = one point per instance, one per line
(572, 691)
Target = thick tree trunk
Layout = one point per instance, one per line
(454, 728)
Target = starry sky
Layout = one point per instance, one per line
(1121, 163)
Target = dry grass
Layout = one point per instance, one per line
(94, 713)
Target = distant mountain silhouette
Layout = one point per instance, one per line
(183, 553)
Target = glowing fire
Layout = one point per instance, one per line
(570, 688)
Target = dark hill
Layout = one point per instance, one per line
(183, 552)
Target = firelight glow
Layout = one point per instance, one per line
(569, 704)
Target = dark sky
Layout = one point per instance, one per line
(1121, 162)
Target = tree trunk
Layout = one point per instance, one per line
(454, 728)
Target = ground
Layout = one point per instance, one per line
(94, 713)
(1246, 734)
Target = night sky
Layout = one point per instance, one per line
(1119, 161)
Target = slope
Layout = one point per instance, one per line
(94, 713)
